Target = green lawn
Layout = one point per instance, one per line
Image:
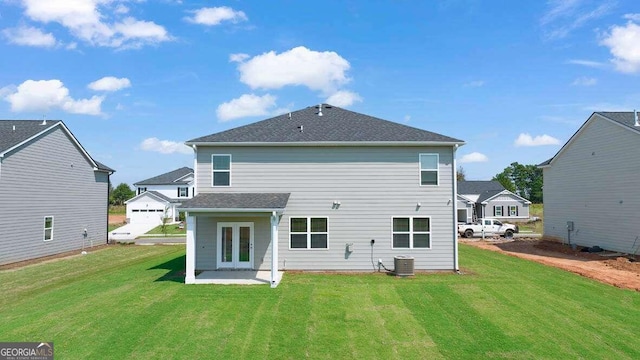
(538, 226)
(128, 302)
(171, 229)
(117, 209)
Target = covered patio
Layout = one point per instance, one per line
(222, 227)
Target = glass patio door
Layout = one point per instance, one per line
(235, 245)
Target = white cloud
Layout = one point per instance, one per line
(565, 16)
(475, 83)
(165, 146)
(633, 17)
(121, 9)
(216, 15)
(246, 105)
(29, 36)
(323, 71)
(624, 44)
(238, 57)
(44, 95)
(343, 98)
(527, 140)
(584, 81)
(109, 83)
(587, 63)
(473, 157)
(88, 20)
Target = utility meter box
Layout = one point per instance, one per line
(570, 225)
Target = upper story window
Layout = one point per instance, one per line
(48, 228)
(183, 191)
(429, 169)
(221, 165)
(142, 190)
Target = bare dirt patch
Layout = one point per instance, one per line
(614, 269)
(117, 218)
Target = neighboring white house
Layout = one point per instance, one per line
(591, 185)
(479, 199)
(158, 197)
(321, 188)
(54, 196)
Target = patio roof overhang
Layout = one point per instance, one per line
(236, 203)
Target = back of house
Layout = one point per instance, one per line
(332, 188)
(53, 195)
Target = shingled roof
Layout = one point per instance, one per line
(477, 187)
(169, 178)
(15, 132)
(240, 201)
(334, 125)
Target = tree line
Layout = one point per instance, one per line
(120, 194)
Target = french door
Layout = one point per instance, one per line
(235, 245)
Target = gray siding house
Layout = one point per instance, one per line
(479, 199)
(321, 188)
(51, 191)
(590, 189)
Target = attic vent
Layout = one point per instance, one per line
(320, 110)
(301, 128)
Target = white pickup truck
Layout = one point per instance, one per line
(489, 226)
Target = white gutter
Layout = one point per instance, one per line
(455, 210)
(330, 143)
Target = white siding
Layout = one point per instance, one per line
(372, 184)
(170, 191)
(50, 177)
(594, 183)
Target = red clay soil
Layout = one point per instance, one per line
(619, 270)
(117, 219)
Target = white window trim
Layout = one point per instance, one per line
(308, 233)
(142, 190)
(496, 210)
(437, 169)
(411, 232)
(514, 207)
(180, 193)
(44, 231)
(214, 171)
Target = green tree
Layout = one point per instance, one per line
(121, 194)
(460, 174)
(523, 180)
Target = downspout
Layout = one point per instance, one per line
(108, 196)
(455, 210)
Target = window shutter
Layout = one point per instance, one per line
(178, 192)
(502, 210)
(517, 210)
(187, 191)
(494, 211)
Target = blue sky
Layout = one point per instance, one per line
(135, 79)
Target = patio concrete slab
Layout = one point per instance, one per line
(236, 277)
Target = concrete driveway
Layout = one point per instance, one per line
(130, 231)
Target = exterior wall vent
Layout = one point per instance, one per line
(403, 265)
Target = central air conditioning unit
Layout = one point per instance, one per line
(403, 265)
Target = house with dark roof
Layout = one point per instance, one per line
(321, 188)
(480, 199)
(158, 197)
(54, 196)
(590, 188)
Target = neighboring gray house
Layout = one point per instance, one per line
(592, 183)
(53, 195)
(158, 197)
(478, 199)
(331, 188)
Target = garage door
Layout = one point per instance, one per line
(146, 216)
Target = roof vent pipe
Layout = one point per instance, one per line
(320, 110)
(14, 128)
(44, 120)
(635, 116)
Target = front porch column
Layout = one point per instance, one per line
(275, 279)
(190, 273)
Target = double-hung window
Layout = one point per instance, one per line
(183, 191)
(309, 233)
(48, 228)
(411, 233)
(142, 190)
(221, 165)
(513, 210)
(497, 210)
(429, 169)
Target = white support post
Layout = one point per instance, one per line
(190, 273)
(275, 278)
